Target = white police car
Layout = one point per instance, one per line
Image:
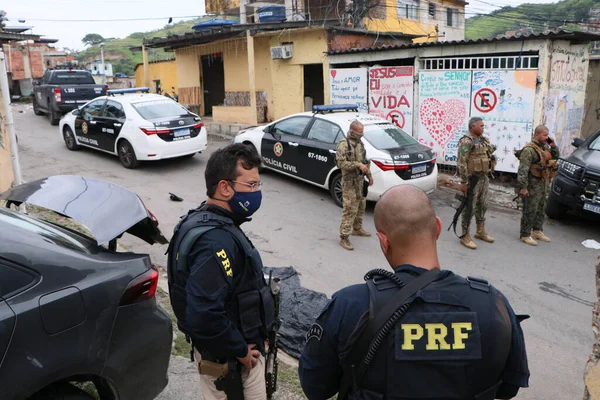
(135, 127)
(304, 145)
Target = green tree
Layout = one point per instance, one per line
(92, 39)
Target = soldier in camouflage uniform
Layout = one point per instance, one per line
(536, 169)
(475, 158)
(352, 160)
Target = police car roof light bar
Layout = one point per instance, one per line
(129, 90)
(335, 107)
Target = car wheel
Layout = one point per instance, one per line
(69, 139)
(554, 209)
(54, 117)
(127, 155)
(36, 108)
(61, 391)
(335, 189)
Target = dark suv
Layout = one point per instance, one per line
(74, 311)
(577, 185)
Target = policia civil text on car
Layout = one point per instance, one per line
(216, 282)
(417, 332)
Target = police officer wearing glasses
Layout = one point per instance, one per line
(216, 280)
(415, 331)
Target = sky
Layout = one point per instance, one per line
(70, 20)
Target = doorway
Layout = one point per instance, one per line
(313, 86)
(213, 80)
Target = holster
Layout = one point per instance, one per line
(213, 369)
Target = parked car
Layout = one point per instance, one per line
(577, 185)
(62, 90)
(72, 309)
(303, 146)
(135, 127)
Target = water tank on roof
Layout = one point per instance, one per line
(212, 24)
(271, 14)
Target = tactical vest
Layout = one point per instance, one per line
(351, 155)
(545, 167)
(480, 159)
(446, 346)
(249, 304)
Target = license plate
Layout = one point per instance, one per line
(419, 168)
(592, 207)
(182, 132)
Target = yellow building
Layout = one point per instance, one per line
(260, 72)
(436, 20)
(163, 76)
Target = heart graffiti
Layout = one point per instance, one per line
(442, 121)
(333, 73)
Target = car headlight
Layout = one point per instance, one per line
(571, 169)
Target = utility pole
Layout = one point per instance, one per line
(102, 58)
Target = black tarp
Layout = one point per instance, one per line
(299, 307)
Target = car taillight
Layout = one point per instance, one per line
(143, 287)
(154, 131)
(385, 165)
(433, 161)
(57, 95)
(199, 125)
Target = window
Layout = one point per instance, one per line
(94, 109)
(114, 110)
(432, 10)
(408, 9)
(451, 17)
(72, 77)
(595, 145)
(293, 126)
(325, 132)
(387, 136)
(14, 280)
(159, 109)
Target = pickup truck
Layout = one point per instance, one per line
(62, 90)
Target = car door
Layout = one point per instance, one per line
(316, 152)
(40, 93)
(86, 123)
(279, 147)
(109, 125)
(7, 324)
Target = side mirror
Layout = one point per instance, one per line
(577, 142)
(35, 82)
(268, 129)
(76, 111)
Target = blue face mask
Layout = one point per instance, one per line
(245, 204)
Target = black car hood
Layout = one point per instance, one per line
(106, 209)
(586, 157)
(412, 153)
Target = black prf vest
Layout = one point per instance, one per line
(249, 304)
(405, 368)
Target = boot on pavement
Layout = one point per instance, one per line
(467, 242)
(345, 243)
(361, 232)
(529, 240)
(481, 234)
(539, 235)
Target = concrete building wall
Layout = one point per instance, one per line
(164, 71)
(591, 117)
(6, 171)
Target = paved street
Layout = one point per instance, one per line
(298, 224)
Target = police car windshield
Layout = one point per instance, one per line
(387, 136)
(595, 144)
(159, 109)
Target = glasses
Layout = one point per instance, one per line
(252, 186)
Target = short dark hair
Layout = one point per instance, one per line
(222, 164)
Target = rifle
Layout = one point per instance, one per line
(464, 202)
(271, 358)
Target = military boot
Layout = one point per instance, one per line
(467, 242)
(539, 235)
(361, 232)
(529, 240)
(345, 243)
(481, 234)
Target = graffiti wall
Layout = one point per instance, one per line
(391, 95)
(505, 101)
(349, 86)
(444, 101)
(563, 104)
